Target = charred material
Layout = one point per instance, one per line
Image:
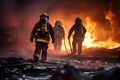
(20, 69)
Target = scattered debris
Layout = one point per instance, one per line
(19, 69)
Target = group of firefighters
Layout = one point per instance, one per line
(43, 31)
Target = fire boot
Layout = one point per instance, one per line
(44, 56)
(43, 59)
(36, 59)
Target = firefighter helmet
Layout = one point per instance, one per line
(58, 22)
(78, 19)
(44, 15)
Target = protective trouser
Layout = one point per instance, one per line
(58, 45)
(74, 43)
(40, 48)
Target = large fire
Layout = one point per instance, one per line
(100, 19)
(90, 38)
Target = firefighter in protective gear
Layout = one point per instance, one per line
(42, 32)
(59, 34)
(78, 37)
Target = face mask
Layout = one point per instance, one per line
(44, 19)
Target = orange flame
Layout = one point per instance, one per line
(90, 41)
(90, 38)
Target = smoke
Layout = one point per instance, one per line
(23, 14)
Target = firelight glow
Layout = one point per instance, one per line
(89, 40)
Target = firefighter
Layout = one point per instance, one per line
(42, 32)
(78, 37)
(59, 36)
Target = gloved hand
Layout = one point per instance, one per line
(31, 39)
(53, 40)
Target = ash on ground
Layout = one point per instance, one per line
(65, 67)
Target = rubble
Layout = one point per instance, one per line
(20, 69)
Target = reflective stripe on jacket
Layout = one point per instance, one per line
(42, 40)
(42, 37)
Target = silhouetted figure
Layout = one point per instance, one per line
(79, 32)
(41, 32)
(59, 34)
